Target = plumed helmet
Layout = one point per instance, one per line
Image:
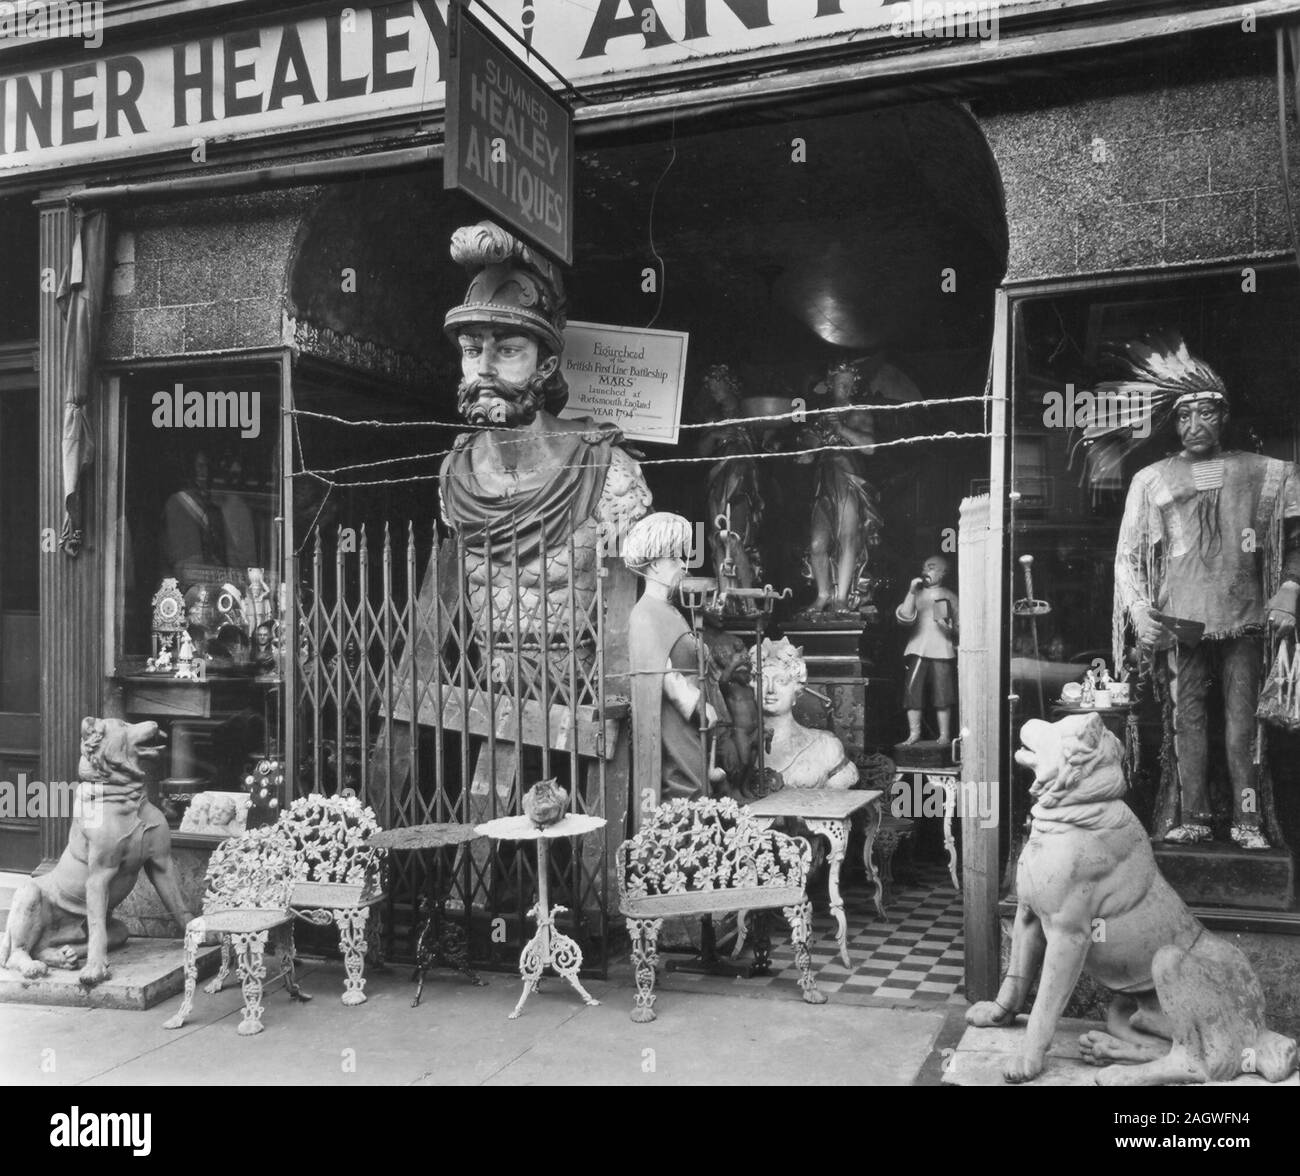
(511, 285)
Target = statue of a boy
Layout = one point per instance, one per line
(930, 610)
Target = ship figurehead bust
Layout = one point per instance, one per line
(535, 498)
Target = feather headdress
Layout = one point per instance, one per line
(1120, 415)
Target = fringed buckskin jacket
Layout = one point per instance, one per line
(1203, 541)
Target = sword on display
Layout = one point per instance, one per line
(1029, 606)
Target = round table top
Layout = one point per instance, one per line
(521, 828)
(424, 836)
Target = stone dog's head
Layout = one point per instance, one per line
(112, 750)
(1075, 761)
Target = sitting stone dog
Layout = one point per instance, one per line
(1187, 1006)
(64, 916)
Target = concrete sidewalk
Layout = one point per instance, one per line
(460, 1036)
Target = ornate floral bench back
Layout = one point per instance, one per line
(252, 871)
(699, 856)
(334, 863)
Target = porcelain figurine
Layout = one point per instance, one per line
(260, 606)
(188, 666)
(162, 663)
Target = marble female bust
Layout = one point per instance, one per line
(803, 756)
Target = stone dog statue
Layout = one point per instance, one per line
(1187, 1006)
(63, 917)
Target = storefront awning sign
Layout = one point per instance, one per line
(337, 66)
(509, 140)
(631, 376)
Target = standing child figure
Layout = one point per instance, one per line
(931, 655)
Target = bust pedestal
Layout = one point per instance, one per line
(831, 649)
(925, 753)
(1222, 874)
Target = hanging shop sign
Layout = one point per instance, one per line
(348, 65)
(509, 141)
(631, 376)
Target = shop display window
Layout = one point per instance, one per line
(197, 600)
(1102, 395)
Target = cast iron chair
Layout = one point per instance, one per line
(338, 876)
(249, 883)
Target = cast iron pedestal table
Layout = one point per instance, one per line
(949, 779)
(549, 948)
(829, 813)
(435, 943)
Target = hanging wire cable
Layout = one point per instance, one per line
(794, 416)
(319, 474)
(654, 196)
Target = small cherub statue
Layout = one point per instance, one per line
(930, 660)
(223, 815)
(198, 816)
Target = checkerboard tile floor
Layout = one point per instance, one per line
(915, 954)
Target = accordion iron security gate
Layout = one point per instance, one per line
(443, 696)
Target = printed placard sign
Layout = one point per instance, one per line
(631, 376)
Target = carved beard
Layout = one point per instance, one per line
(500, 403)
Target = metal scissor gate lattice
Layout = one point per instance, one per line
(440, 681)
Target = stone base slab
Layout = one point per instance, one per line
(979, 1057)
(144, 973)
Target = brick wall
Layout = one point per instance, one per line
(1145, 170)
(201, 276)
